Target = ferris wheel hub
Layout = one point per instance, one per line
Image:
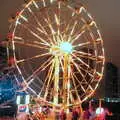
(61, 49)
(66, 47)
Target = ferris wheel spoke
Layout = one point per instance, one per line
(34, 57)
(99, 41)
(40, 28)
(37, 28)
(81, 31)
(40, 44)
(83, 80)
(59, 23)
(40, 80)
(43, 31)
(36, 35)
(32, 78)
(71, 97)
(89, 72)
(42, 70)
(57, 20)
(46, 66)
(79, 82)
(35, 4)
(39, 69)
(90, 31)
(92, 36)
(31, 44)
(72, 31)
(77, 67)
(62, 66)
(75, 88)
(51, 29)
(90, 56)
(83, 44)
(86, 55)
(23, 18)
(98, 76)
(48, 77)
(36, 85)
(68, 25)
(80, 60)
(50, 25)
(91, 88)
(77, 36)
(44, 4)
(32, 90)
(89, 43)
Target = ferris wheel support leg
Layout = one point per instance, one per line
(68, 85)
(56, 80)
(66, 82)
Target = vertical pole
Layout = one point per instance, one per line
(18, 100)
(56, 80)
(66, 82)
(100, 102)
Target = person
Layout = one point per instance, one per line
(62, 115)
(75, 114)
(101, 113)
(93, 114)
(22, 116)
(86, 115)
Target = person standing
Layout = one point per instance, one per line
(86, 115)
(75, 114)
(62, 115)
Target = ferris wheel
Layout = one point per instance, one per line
(58, 50)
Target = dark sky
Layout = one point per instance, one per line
(105, 12)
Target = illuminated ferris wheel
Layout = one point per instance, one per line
(58, 51)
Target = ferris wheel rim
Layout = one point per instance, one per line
(15, 54)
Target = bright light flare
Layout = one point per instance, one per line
(66, 47)
(99, 111)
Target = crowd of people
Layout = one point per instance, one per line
(75, 113)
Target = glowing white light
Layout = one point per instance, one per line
(40, 109)
(66, 47)
(18, 100)
(27, 99)
(99, 111)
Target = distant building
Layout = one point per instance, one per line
(119, 84)
(3, 57)
(111, 81)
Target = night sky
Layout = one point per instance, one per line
(106, 13)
